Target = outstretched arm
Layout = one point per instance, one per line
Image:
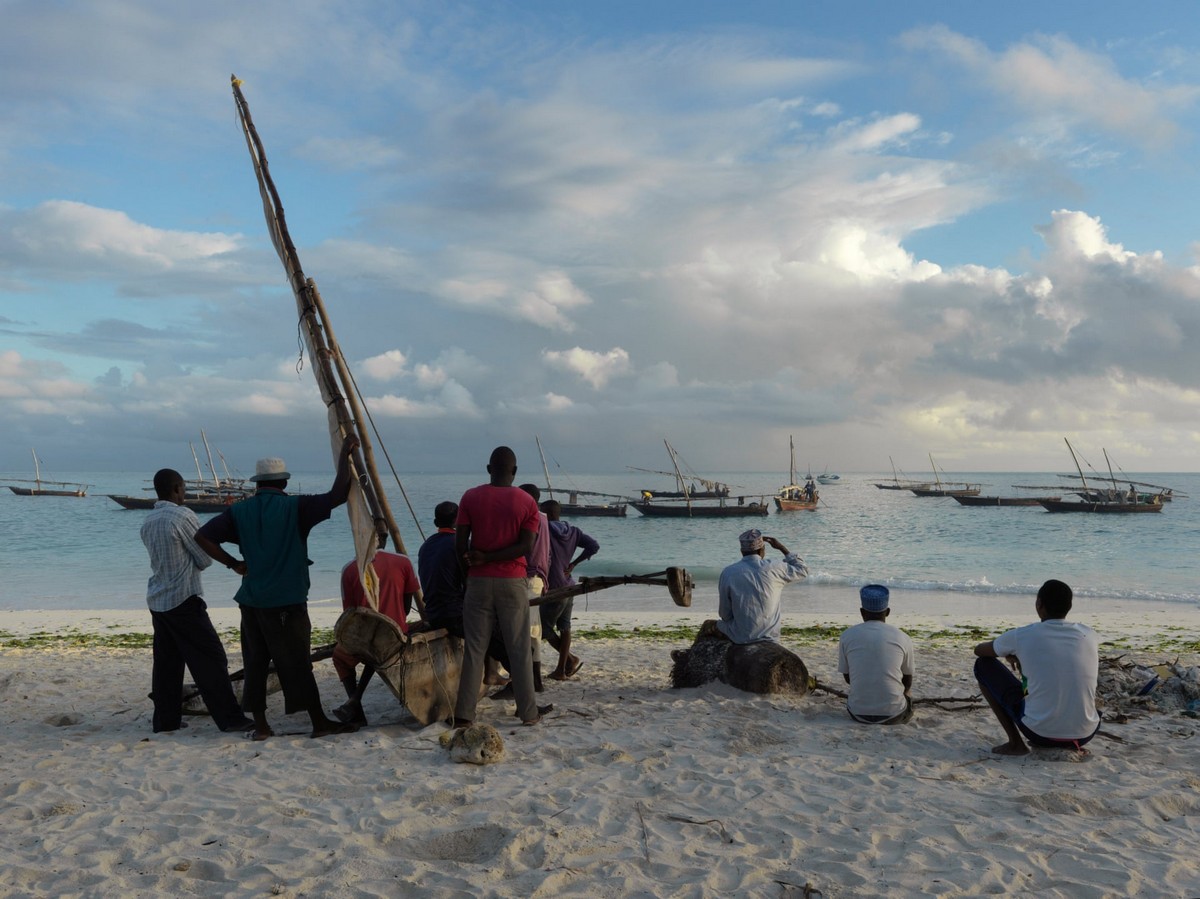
(340, 491)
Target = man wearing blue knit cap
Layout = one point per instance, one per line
(749, 590)
(876, 659)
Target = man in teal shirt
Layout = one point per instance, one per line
(272, 529)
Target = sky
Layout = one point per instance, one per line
(885, 230)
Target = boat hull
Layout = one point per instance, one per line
(795, 505)
(945, 491)
(219, 504)
(617, 510)
(1065, 505)
(679, 510)
(1003, 500)
(35, 491)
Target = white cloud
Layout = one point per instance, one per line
(386, 366)
(595, 368)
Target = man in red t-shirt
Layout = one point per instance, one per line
(398, 589)
(494, 532)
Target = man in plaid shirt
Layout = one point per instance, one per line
(183, 632)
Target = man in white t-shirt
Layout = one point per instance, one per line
(876, 659)
(1060, 661)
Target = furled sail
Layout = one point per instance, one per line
(371, 519)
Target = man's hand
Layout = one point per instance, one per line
(239, 567)
(1014, 663)
(775, 543)
(350, 444)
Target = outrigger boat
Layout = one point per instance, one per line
(898, 483)
(53, 488)
(573, 508)
(421, 669)
(794, 496)
(201, 495)
(945, 488)
(1112, 502)
(651, 504)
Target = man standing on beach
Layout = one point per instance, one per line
(272, 529)
(556, 616)
(1060, 662)
(496, 527)
(876, 659)
(750, 590)
(398, 591)
(183, 632)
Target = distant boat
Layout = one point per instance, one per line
(1112, 501)
(826, 478)
(54, 488)
(898, 483)
(945, 488)
(200, 495)
(793, 496)
(651, 504)
(573, 507)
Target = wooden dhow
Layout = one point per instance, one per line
(43, 487)
(794, 496)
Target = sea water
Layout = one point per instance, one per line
(85, 553)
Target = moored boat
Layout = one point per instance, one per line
(1002, 500)
(945, 488)
(573, 508)
(794, 496)
(42, 487)
(1103, 501)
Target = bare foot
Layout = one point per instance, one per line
(258, 734)
(1011, 749)
(495, 680)
(557, 674)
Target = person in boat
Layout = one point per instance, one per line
(183, 633)
(272, 528)
(876, 660)
(1132, 495)
(399, 589)
(495, 530)
(750, 590)
(1060, 661)
(441, 578)
(565, 538)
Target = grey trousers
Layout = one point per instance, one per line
(500, 603)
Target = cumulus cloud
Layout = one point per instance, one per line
(595, 368)
(386, 366)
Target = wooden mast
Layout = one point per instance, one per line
(368, 507)
(545, 470)
(1077, 468)
(686, 492)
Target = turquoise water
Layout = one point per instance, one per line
(68, 553)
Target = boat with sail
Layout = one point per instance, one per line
(573, 508)
(713, 501)
(945, 488)
(44, 487)
(794, 496)
(1104, 501)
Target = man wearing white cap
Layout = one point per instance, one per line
(749, 590)
(876, 659)
(272, 529)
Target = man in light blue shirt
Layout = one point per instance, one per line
(183, 633)
(749, 590)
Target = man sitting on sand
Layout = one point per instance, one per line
(1061, 663)
(749, 590)
(398, 590)
(876, 659)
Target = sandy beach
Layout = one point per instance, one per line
(628, 788)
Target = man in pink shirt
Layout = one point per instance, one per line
(495, 531)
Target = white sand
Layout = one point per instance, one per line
(627, 788)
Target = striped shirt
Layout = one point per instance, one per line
(175, 559)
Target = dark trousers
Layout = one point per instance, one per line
(993, 675)
(282, 635)
(185, 636)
